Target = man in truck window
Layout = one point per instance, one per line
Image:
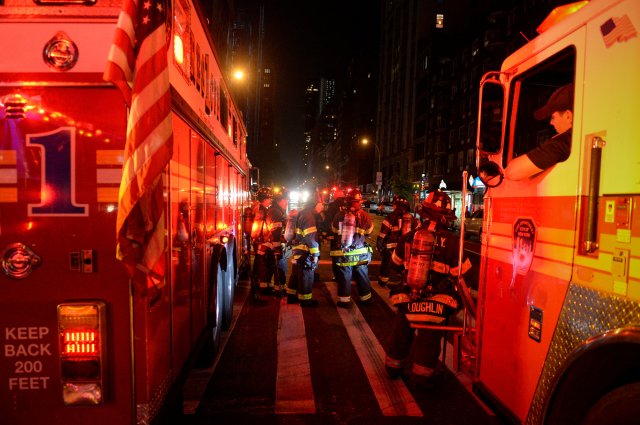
(559, 108)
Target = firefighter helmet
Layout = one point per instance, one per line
(356, 194)
(437, 206)
(400, 201)
(283, 194)
(353, 201)
(263, 193)
(337, 194)
(314, 198)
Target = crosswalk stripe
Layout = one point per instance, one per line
(294, 392)
(393, 397)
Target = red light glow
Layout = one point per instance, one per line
(80, 343)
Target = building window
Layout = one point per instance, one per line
(461, 163)
(471, 157)
(439, 20)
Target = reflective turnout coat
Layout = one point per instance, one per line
(359, 252)
(305, 242)
(439, 297)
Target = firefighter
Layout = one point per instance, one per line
(276, 222)
(428, 257)
(263, 264)
(396, 224)
(306, 252)
(332, 211)
(352, 257)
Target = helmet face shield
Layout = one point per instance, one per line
(437, 206)
(400, 202)
(263, 193)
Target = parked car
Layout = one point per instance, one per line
(473, 224)
(385, 208)
(371, 206)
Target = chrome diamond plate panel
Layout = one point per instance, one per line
(586, 313)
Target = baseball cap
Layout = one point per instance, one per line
(560, 100)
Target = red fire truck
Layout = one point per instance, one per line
(556, 339)
(78, 343)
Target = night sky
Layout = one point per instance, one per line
(309, 39)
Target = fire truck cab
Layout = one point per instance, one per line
(556, 338)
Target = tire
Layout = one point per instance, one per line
(620, 406)
(214, 315)
(229, 282)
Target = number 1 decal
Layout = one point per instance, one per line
(57, 193)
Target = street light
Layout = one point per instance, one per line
(365, 142)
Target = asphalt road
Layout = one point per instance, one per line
(282, 364)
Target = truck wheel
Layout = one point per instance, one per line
(621, 407)
(229, 289)
(214, 316)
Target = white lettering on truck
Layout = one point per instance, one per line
(24, 344)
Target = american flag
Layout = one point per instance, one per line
(617, 29)
(137, 64)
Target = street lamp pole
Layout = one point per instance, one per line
(375, 145)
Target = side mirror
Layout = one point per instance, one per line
(491, 174)
(490, 116)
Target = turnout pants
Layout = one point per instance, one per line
(426, 347)
(360, 274)
(301, 280)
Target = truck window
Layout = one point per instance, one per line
(529, 92)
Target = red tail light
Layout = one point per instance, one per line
(82, 329)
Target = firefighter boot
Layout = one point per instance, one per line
(309, 303)
(393, 372)
(344, 304)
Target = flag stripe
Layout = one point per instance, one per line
(138, 66)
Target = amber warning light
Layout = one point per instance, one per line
(82, 328)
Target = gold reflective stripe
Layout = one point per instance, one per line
(309, 230)
(382, 235)
(421, 370)
(466, 265)
(358, 251)
(399, 298)
(421, 317)
(336, 253)
(304, 297)
(445, 299)
(386, 223)
(314, 250)
(396, 260)
(301, 247)
(344, 299)
(439, 267)
(394, 363)
(392, 245)
(365, 297)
